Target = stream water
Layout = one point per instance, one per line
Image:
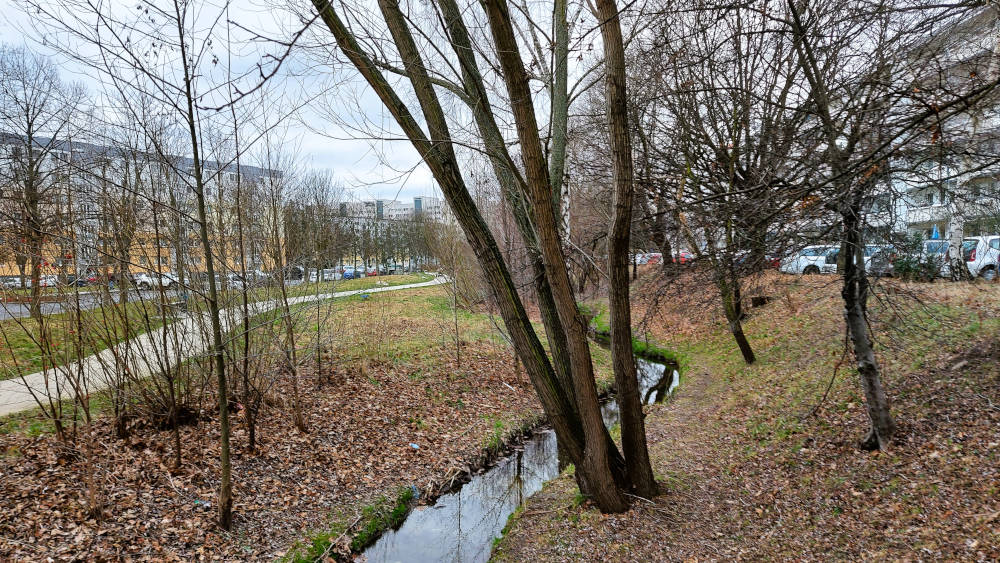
(461, 526)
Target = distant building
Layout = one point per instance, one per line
(951, 185)
(428, 207)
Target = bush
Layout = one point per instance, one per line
(912, 264)
(916, 268)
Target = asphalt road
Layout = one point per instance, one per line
(87, 301)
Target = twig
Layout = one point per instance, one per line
(334, 541)
(829, 385)
(987, 399)
(640, 498)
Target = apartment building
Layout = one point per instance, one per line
(950, 185)
(106, 209)
(430, 208)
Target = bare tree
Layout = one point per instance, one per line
(860, 65)
(37, 114)
(580, 429)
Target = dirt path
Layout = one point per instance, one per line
(684, 437)
(748, 475)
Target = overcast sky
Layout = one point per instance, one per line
(367, 168)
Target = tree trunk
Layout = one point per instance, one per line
(732, 304)
(956, 232)
(662, 235)
(443, 163)
(596, 464)
(515, 195)
(559, 108)
(633, 428)
(218, 348)
(36, 232)
(855, 295)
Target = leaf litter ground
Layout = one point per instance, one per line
(748, 474)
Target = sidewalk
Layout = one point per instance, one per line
(144, 355)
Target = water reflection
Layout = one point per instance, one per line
(656, 382)
(461, 526)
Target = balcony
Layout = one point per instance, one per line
(929, 213)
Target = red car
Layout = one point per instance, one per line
(684, 257)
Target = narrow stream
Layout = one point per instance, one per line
(461, 526)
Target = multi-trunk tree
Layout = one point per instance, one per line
(568, 392)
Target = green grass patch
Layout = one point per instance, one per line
(307, 288)
(383, 514)
(71, 337)
(641, 347)
(511, 519)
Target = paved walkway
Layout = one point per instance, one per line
(144, 355)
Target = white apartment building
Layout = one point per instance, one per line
(430, 208)
(952, 188)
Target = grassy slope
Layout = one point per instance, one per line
(19, 338)
(350, 285)
(749, 474)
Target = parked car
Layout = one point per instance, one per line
(350, 274)
(43, 281)
(329, 274)
(743, 260)
(293, 273)
(880, 261)
(10, 282)
(146, 281)
(929, 261)
(237, 281)
(79, 281)
(371, 271)
(934, 254)
(683, 257)
(201, 278)
(982, 255)
(814, 259)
